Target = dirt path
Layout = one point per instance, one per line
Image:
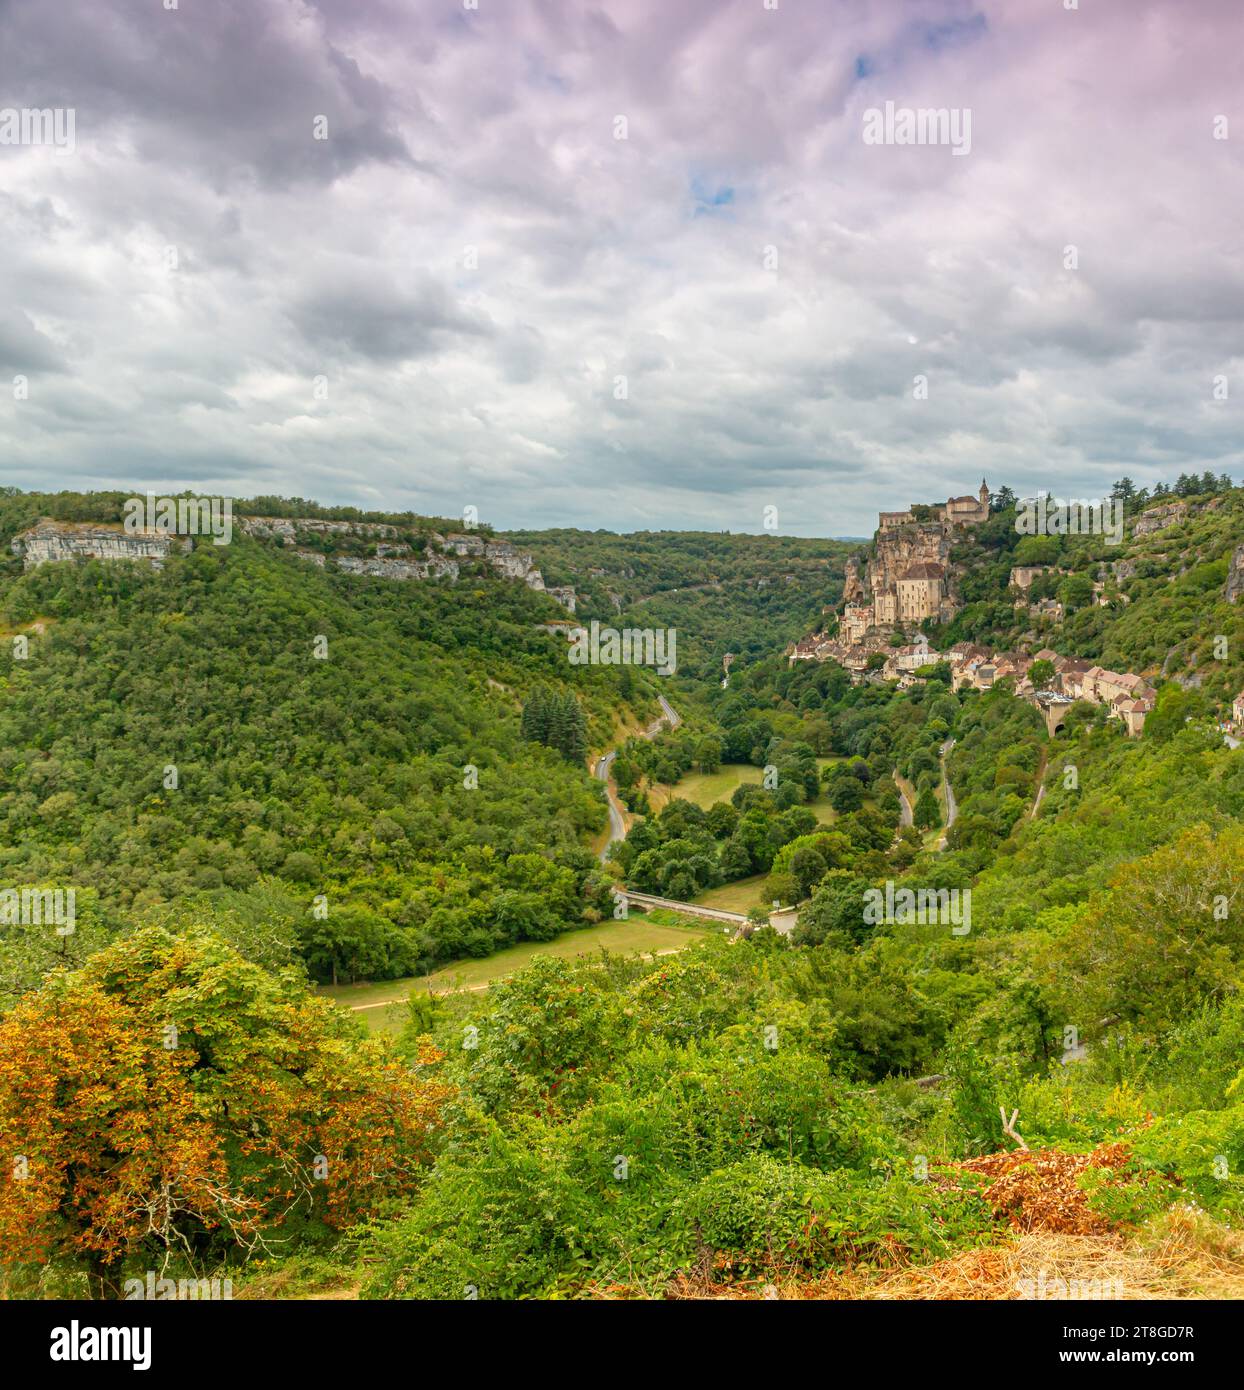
(1040, 796)
(948, 795)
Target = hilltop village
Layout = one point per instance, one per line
(908, 578)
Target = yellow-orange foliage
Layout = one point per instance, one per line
(265, 1105)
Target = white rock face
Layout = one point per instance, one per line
(461, 544)
(54, 540)
(67, 540)
(396, 561)
(506, 559)
(433, 568)
(1235, 575)
(513, 563)
(1159, 518)
(286, 529)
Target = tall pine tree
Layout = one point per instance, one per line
(557, 721)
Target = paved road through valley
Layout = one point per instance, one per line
(617, 825)
(617, 821)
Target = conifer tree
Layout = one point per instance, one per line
(575, 747)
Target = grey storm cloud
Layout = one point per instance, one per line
(23, 348)
(228, 89)
(474, 262)
(382, 322)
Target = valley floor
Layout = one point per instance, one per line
(637, 934)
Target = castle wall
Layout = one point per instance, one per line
(901, 543)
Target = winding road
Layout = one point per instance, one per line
(617, 822)
(674, 720)
(617, 815)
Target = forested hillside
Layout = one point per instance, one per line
(1156, 604)
(879, 1109)
(872, 1105)
(744, 595)
(173, 736)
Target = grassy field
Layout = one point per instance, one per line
(737, 896)
(622, 938)
(704, 789)
(707, 788)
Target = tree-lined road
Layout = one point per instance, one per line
(617, 822)
(617, 817)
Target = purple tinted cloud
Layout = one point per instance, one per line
(472, 260)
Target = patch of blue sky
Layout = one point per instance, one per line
(710, 198)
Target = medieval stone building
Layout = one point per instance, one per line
(907, 576)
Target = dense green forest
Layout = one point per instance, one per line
(743, 595)
(815, 1113)
(174, 735)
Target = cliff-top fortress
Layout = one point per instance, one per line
(907, 577)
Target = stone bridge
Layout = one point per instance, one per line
(781, 919)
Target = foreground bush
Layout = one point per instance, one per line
(173, 1096)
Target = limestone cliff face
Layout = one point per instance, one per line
(1235, 575)
(506, 559)
(513, 563)
(286, 529)
(897, 550)
(565, 595)
(852, 584)
(66, 540)
(396, 560)
(434, 567)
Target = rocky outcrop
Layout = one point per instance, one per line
(505, 558)
(1123, 570)
(852, 585)
(286, 529)
(921, 543)
(1235, 575)
(394, 559)
(510, 563)
(1159, 518)
(434, 567)
(513, 563)
(68, 540)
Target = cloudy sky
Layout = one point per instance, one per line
(471, 291)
